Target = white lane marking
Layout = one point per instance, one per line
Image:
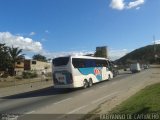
(100, 99)
(30, 112)
(77, 109)
(71, 112)
(62, 101)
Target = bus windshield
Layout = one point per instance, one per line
(61, 61)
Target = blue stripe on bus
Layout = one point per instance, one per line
(87, 71)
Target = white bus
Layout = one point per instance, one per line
(79, 71)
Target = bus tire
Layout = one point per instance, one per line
(85, 84)
(109, 77)
(90, 83)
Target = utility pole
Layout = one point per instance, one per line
(154, 44)
(155, 55)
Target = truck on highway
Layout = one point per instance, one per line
(134, 68)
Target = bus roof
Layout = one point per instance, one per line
(85, 57)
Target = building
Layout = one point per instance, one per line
(38, 66)
(102, 52)
(19, 66)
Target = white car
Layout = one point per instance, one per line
(135, 68)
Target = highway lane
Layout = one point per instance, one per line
(83, 101)
(26, 102)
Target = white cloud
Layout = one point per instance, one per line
(116, 54)
(60, 54)
(135, 4)
(32, 33)
(30, 45)
(117, 4)
(156, 42)
(113, 53)
(19, 41)
(121, 4)
(137, 8)
(27, 57)
(46, 31)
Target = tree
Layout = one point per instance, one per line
(15, 56)
(39, 58)
(4, 57)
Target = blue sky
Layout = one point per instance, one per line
(58, 27)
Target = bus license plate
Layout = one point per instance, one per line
(60, 78)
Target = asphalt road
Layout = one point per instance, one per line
(49, 101)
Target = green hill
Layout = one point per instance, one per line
(143, 55)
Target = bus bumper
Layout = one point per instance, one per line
(75, 85)
(66, 86)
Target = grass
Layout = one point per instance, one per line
(144, 105)
(146, 102)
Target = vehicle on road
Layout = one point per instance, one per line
(79, 71)
(135, 68)
(114, 69)
(145, 66)
(115, 72)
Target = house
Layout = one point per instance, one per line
(29, 64)
(36, 65)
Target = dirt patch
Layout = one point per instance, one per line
(12, 81)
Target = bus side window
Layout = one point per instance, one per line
(98, 63)
(105, 64)
(87, 63)
(81, 63)
(75, 63)
(94, 63)
(90, 63)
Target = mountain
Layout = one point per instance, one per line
(143, 55)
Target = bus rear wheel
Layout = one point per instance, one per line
(85, 83)
(90, 83)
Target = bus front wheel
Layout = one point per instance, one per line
(109, 77)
